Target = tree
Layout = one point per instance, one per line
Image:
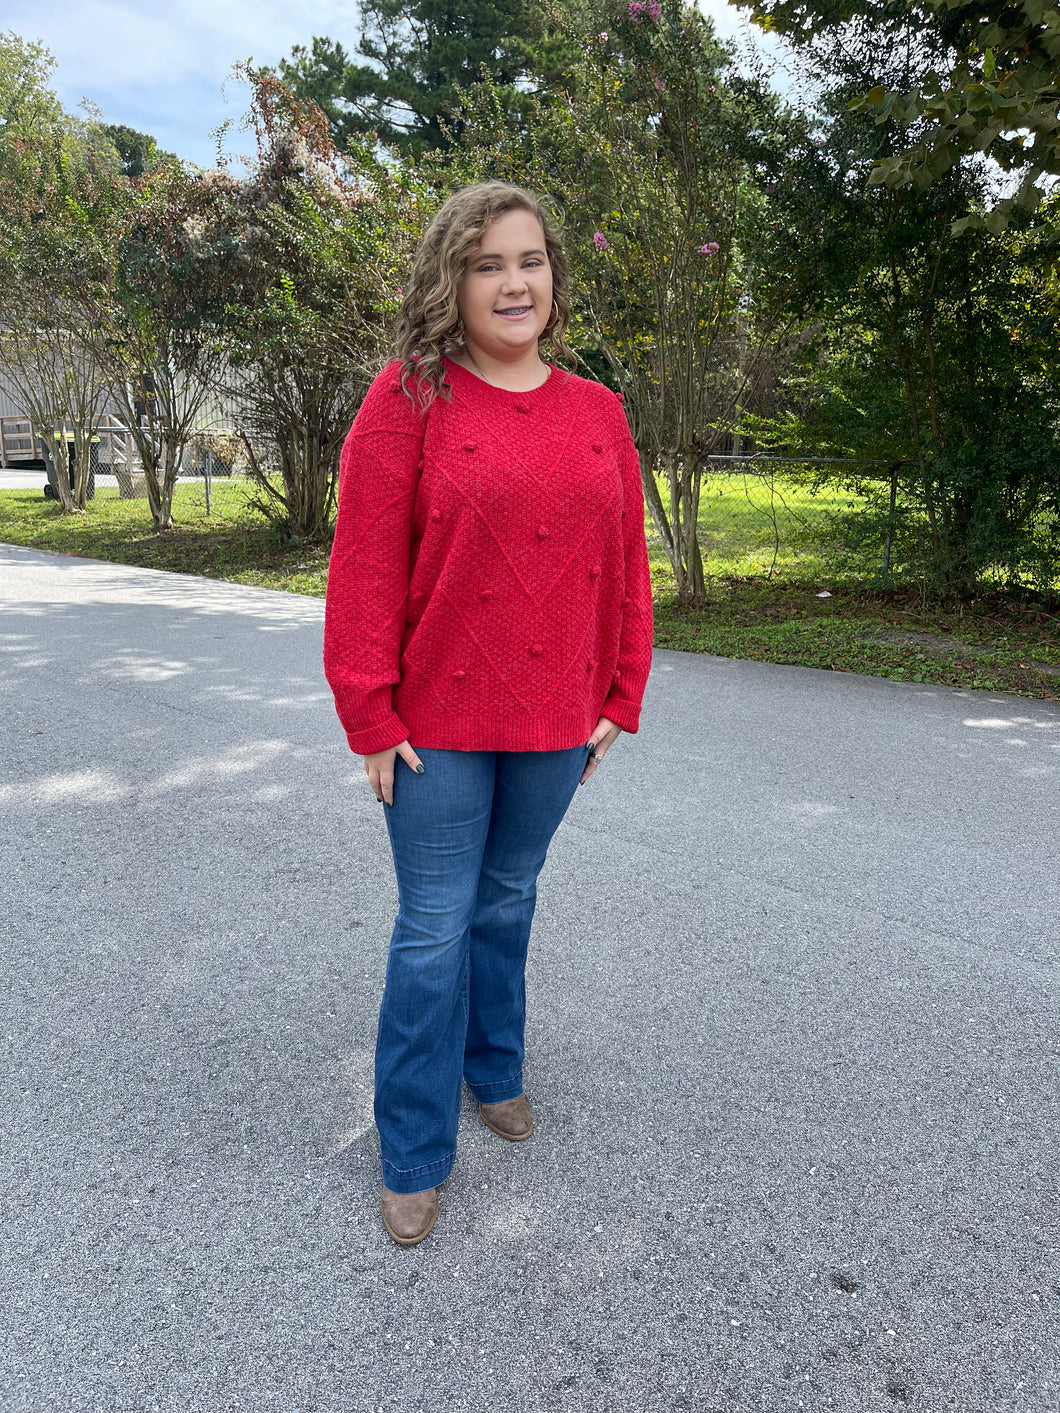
(325, 241)
(155, 325)
(46, 363)
(318, 75)
(54, 209)
(1001, 96)
(652, 155)
(138, 152)
(416, 55)
(30, 111)
(935, 355)
(980, 78)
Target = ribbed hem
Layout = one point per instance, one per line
(383, 737)
(623, 713)
(471, 733)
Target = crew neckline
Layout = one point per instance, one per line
(546, 386)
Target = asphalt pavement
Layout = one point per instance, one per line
(792, 1044)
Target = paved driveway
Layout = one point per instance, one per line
(793, 1044)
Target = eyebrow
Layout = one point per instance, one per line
(501, 257)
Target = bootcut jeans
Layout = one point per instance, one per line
(469, 838)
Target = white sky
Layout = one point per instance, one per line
(163, 71)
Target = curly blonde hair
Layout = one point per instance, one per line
(429, 323)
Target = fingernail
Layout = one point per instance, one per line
(389, 804)
(420, 770)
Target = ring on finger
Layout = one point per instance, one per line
(593, 755)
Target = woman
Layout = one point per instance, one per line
(488, 637)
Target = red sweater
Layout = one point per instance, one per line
(488, 587)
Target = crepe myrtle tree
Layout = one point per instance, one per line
(46, 366)
(326, 238)
(55, 211)
(156, 325)
(659, 161)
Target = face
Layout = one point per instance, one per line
(505, 296)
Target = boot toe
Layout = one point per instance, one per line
(409, 1216)
(512, 1118)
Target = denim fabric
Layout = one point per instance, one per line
(469, 837)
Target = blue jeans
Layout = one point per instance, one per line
(469, 838)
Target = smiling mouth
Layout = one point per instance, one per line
(515, 312)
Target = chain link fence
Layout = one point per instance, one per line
(760, 517)
(212, 479)
(763, 520)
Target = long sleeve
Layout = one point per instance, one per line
(368, 575)
(630, 678)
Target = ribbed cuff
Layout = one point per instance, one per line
(623, 713)
(383, 737)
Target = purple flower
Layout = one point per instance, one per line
(771, 186)
(654, 10)
(711, 248)
(636, 7)
(600, 240)
(660, 85)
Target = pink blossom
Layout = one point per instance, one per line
(636, 7)
(771, 186)
(654, 10)
(660, 85)
(600, 240)
(603, 35)
(711, 248)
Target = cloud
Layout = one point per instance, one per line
(163, 71)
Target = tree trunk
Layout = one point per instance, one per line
(684, 475)
(57, 459)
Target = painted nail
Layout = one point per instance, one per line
(420, 770)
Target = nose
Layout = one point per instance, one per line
(514, 281)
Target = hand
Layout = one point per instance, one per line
(379, 769)
(603, 738)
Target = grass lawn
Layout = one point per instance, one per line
(996, 644)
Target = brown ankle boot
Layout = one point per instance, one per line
(511, 1118)
(409, 1216)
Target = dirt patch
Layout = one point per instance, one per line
(940, 643)
(930, 642)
